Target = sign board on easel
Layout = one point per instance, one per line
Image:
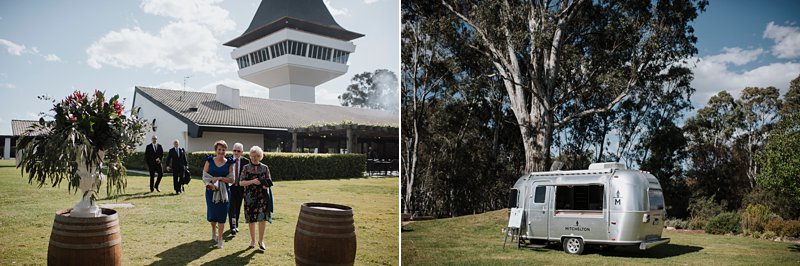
(515, 220)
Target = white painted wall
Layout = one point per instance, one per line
(168, 126)
(7, 149)
(206, 143)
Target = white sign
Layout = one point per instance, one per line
(515, 220)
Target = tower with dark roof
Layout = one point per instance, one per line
(291, 47)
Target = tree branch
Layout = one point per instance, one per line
(598, 109)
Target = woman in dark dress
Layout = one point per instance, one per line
(216, 176)
(257, 195)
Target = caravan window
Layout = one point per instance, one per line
(512, 198)
(656, 199)
(582, 198)
(538, 196)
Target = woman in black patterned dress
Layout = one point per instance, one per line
(257, 195)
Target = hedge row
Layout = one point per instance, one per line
(282, 166)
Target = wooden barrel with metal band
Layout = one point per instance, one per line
(85, 241)
(325, 235)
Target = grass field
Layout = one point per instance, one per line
(477, 240)
(167, 229)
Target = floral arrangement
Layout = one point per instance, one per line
(85, 128)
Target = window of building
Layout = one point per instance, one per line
(340, 56)
(584, 198)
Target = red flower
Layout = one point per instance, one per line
(118, 107)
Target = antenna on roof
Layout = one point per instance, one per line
(184, 87)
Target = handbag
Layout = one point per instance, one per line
(187, 176)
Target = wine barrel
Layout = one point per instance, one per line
(85, 241)
(325, 235)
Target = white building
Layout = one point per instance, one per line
(198, 119)
(291, 47)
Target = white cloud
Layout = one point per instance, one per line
(204, 12)
(12, 48)
(370, 1)
(787, 40)
(8, 86)
(713, 74)
(19, 49)
(326, 96)
(52, 58)
(178, 46)
(735, 55)
(187, 43)
(336, 11)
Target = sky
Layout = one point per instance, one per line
(745, 44)
(56, 47)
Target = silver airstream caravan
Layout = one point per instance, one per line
(606, 205)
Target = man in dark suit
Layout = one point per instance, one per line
(176, 162)
(153, 154)
(237, 191)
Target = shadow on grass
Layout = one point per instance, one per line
(117, 196)
(659, 252)
(140, 195)
(235, 259)
(184, 253)
(794, 248)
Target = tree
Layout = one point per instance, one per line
(573, 59)
(667, 152)
(425, 70)
(759, 108)
(460, 143)
(375, 90)
(780, 160)
(791, 100)
(714, 168)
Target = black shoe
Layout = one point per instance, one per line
(157, 190)
(233, 233)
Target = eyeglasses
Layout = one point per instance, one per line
(237, 151)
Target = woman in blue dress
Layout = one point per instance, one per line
(216, 176)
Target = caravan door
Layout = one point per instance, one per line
(539, 211)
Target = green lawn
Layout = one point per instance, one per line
(167, 229)
(477, 240)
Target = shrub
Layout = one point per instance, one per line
(755, 217)
(791, 228)
(677, 223)
(774, 225)
(283, 166)
(723, 223)
(697, 224)
(704, 208)
(756, 234)
(769, 235)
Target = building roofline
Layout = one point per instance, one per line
(192, 128)
(296, 24)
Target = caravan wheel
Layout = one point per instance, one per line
(573, 245)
